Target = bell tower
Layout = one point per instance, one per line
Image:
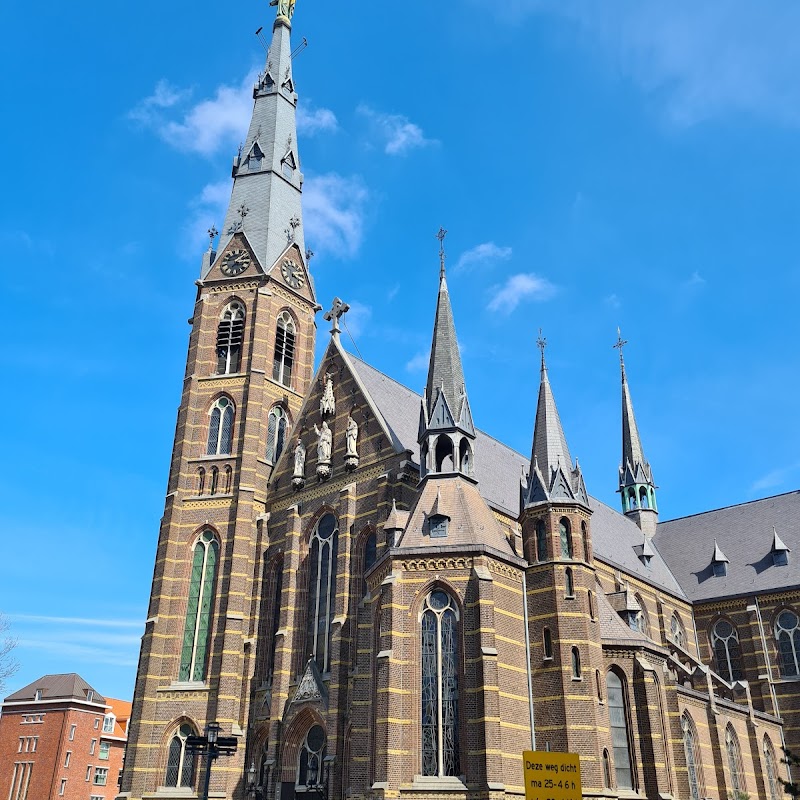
(249, 365)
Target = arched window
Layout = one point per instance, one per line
(322, 588)
(541, 540)
(569, 583)
(254, 159)
(606, 769)
(201, 481)
(631, 499)
(214, 480)
(228, 478)
(465, 457)
(676, 630)
(576, 663)
(198, 609)
(771, 765)
(590, 598)
(276, 433)
(618, 717)
(599, 685)
(277, 592)
(180, 764)
(443, 454)
(566, 537)
(283, 359)
(644, 500)
(787, 635)
(587, 554)
(547, 644)
(310, 771)
(727, 653)
(370, 553)
(734, 760)
(230, 335)
(694, 765)
(641, 622)
(220, 428)
(440, 750)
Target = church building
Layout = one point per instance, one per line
(378, 600)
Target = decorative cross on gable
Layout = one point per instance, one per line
(338, 309)
(620, 344)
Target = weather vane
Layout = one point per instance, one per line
(541, 343)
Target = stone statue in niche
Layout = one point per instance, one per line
(324, 447)
(327, 406)
(351, 436)
(299, 475)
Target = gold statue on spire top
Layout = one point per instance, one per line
(285, 8)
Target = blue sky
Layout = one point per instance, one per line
(596, 165)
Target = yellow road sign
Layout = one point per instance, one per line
(551, 776)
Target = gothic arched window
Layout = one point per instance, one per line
(676, 630)
(734, 760)
(198, 608)
(569, 583)
(230, 335)
(641, 622)
(566, 537)
(276, 590)
(220, 428)
(787, 635)
(606, 770)
(201, 481)
(368, 559)
(322, 554)
(283, 358)
(180, 764)
(576, 663)
(547, 643)
(214, 480)
(440, 749)
(541, 540)
(694, 764)
(771, 764)
(617, 698)
(585, 537)
(727, 653)
(310, 761)
(276, 433)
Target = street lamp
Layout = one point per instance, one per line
(257, 785)
(211, 747)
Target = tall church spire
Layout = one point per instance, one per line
(552, 476)
(636, 486)
(446, 432)
(267, 182)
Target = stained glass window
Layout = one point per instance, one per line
(311, 758)
(772, 770)
(230, 335)
(727, 653)
(677, 633)
(566, 538)
(618, 717)
(198, 610)
(440, 747)
(322, 588)
(283, 358)
(180, 765)
(734, 760)
(787, 634)
(694, 766)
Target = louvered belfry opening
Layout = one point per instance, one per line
(283, 359)
(230, 336)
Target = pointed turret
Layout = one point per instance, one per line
(446, 431)
(636, 485)
(552, 477)
(267, 182)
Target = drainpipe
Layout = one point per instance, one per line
(528, 657)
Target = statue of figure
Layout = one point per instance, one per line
(352, 436)
(299, 459)
(325, 443)
(285, 7)
(328, 404)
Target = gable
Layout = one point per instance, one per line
(291, 272)
(235, 261)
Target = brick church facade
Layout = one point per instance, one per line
(381, 601)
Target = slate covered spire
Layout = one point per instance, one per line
(552, 478)
(267, 182)
(446, 431)
(636, 485)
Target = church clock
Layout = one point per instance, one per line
(292, 274)
(235, 262)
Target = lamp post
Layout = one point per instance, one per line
(211, 747)
(258, 785)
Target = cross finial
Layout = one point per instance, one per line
(541, 343)
(294, 224)
(337, 310)
(440, 236)
(309, 255)
(619, 345)
(212, 234)
(242, 211)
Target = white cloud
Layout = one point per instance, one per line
(419, 362)
(208, 209)
(517, 288)
(398, 135)
(695, 281)
(216, 122)
(333, 213)
(697, 61)
(774, 479)
(357, 318)
(612, 300)
(486, 254)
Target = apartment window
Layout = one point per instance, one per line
(63, 787)
(67, 758)
(89, 696)
(104, 749)
(100, 776)
(38, 695)
(72, 729)
(108, 723)
(34, 744)
(97, 719)
(92, 747)
(20, 780)
(88, 773)
(21, 744)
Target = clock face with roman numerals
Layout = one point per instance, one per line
(235, 262)
(292, 274)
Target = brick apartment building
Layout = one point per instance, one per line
(60, 738)
(379, 600)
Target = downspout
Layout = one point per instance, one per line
(528, 657)
(770, 681)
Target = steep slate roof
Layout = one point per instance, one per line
(498, 470)
(55, 687)
(744, 533)
(613, 629)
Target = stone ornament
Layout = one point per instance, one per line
(327, 406)
(299, 475)
(324, 448)
(351, 456)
